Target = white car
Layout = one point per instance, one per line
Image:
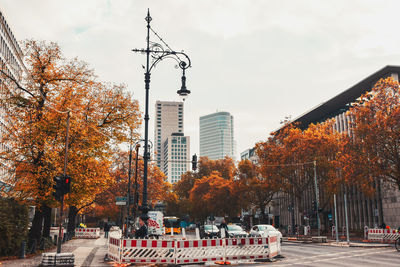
(264, 230)
(236, 231)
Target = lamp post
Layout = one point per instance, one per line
(156, 52)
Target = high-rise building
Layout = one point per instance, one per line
(168, 120)
(176, 150)
(216, 136)
(11, 63)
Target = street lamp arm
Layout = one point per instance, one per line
(159, 54)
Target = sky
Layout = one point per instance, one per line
(260, 60)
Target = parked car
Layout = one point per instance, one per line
(209, 231)
(265, 230)
(236, 231)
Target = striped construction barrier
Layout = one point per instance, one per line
(182, 252)
(383, 235)
(87, 232)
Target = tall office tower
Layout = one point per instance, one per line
(11, 62)
(216, 136)
(168, 120)
(176, 156)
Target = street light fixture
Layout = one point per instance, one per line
(157, 52)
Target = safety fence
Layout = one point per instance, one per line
(87, 232)
(192, 251)
(383, 235)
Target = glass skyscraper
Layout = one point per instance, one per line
(216, 136)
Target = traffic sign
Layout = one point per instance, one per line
(120, 201)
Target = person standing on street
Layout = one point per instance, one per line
(142, 231)
(106, 229)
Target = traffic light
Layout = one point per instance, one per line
(66, 184)
(194, 162)
(58, 187)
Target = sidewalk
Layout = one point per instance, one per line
(88, 252)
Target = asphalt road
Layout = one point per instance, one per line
(298, 254)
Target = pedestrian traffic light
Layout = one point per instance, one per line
(66, 184)
(58, 187)
(194, 162)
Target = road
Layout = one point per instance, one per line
(298, 254)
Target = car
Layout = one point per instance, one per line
(236, 231)
(264, 230)
(209, 231)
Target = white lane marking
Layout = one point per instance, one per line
(336, 258)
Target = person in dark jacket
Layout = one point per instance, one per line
(106, 229)
(142, 231)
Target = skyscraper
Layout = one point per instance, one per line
(216, 136)
(172, 148)
(168, 120)
(176, 156)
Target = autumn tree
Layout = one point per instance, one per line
(376, 136)
(35, 128)
(255, 189)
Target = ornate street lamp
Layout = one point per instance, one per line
(157, 52)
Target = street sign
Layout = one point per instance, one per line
(120, 201)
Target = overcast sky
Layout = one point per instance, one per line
(258, 60)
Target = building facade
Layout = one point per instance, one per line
(176, 149)
(168, 120)
(384, 206)
(217, 136)
(12, 65)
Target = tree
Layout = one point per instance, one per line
(35, 122)
(376, 137)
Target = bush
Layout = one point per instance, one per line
(13, 226)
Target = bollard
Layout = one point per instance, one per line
(333, 231)
(197, 233)
(183, 232)
(22, 255)
(365, 232)
(222, 232)
(172, 231)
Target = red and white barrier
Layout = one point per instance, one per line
(197, 251)
(383, 235)
(192, 251)
(87, 232)
(147, 251)
(114, 249)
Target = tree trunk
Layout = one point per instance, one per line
(35, 232)
(47, 220)
(73, 211)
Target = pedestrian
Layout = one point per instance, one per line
(106, 229)
(224, 226)
(142, 231)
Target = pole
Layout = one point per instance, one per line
(136, 180)
(336, 225)
(347, 222)
(62, 197)
(128, 204)
(146, 155)
(317, 196)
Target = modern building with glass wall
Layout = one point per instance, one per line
(176, 149)
(217, 136)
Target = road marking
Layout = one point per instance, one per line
(336, 258)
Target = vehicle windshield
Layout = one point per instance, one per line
(209, 227)
(233, 227)
(171, 222)
(266, 228)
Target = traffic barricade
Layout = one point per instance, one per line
(147, 251)
(114, 249)
(198, 251)
(375, 235)
(183, 252)
(87, 232)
